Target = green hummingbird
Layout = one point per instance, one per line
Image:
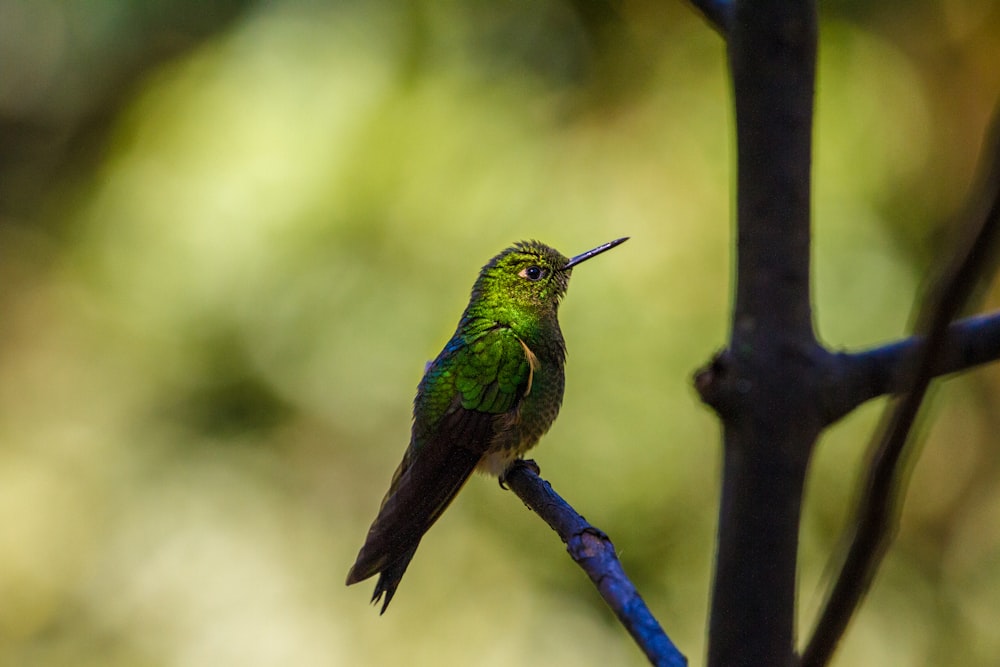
(487, 398)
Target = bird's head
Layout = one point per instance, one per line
(527, 278)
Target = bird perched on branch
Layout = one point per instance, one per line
(487, 398)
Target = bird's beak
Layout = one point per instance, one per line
(584, 256)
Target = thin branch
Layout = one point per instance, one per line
(718, 13)
(887, 369)
(593, 551)
(875, 524)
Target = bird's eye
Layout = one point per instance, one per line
(533, 273)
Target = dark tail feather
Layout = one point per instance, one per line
(422, 493)
(390, 578)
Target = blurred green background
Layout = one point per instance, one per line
(231, 234)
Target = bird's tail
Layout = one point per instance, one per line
(422, 489)
(390, 577)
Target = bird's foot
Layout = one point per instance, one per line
(526, 463)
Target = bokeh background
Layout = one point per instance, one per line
(232, 232)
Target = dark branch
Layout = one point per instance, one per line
(593, 551)
(875, 524)
(718, 13)
(887, 369)
(765, 386)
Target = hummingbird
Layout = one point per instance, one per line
(487, 398)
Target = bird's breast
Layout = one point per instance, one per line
(520, 429)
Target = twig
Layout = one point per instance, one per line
(593, 551)
(875, 524)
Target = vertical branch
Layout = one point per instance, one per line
(765, 386)
(718, 13)
(772, 56)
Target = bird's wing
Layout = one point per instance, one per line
(464, 398)
(494, 372)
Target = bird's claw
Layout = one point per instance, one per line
(526, 463)
(530, 465)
